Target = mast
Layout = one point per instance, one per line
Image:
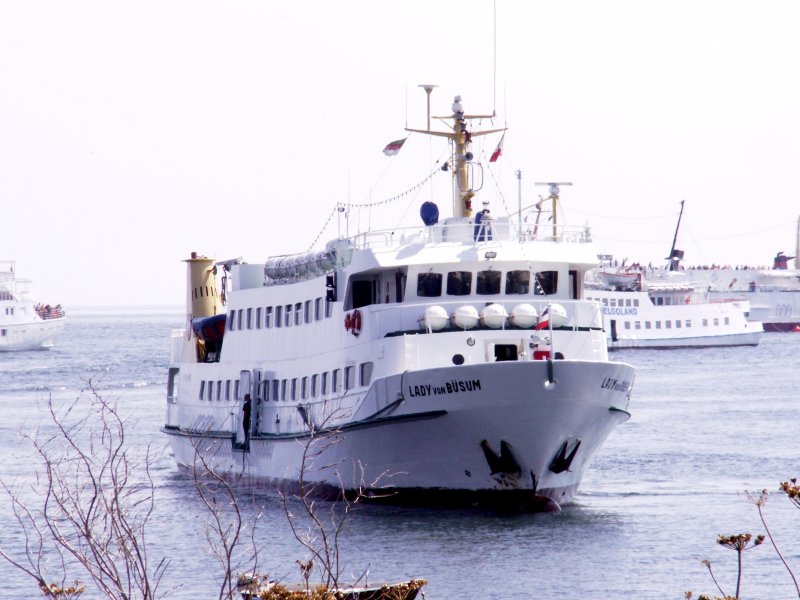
(675, 256)
(461, 160)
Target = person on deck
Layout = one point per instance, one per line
(246, 411)
(483, 225)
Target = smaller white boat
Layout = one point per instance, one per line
(25, 324)
(669, 312)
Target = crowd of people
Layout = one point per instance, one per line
(45, 311)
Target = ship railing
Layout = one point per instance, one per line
(462, 230)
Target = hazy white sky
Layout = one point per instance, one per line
(133, 133)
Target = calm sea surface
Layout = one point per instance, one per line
(707, 425)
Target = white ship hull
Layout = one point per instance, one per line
(30, 335)
(429, 445)
(447, 364)
(24, 324)
(674, 316)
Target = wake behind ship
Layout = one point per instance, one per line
(448, 364)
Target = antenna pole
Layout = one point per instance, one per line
(428, 89)
(519, 201)
(673, 263)
(494, 65)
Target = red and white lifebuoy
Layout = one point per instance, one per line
(356, 322)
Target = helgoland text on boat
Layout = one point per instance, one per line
(453, 363)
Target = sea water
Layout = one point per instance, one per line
(707, 425)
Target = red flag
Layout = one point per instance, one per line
(498, 151)
(393, 148)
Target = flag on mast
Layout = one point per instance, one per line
(498, 151)
(393, 148)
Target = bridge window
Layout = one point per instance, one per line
(518, 282)
(429, 285)
(268, 317)
(459, 283)
(488, 283)
(546, 283)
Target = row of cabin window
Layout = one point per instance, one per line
(620, 302)
(459, 283)
(298, 388)
(279, 316)
(668, 324)
(657, 300)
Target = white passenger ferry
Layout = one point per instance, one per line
(24, 323)
(454, 363)
(667, 313)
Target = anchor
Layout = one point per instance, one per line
(562, 461)
(505, 462)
